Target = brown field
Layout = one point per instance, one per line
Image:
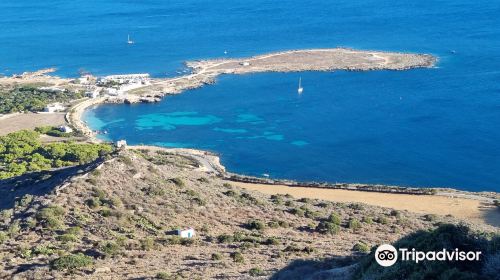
(13, 123)
(467, 209)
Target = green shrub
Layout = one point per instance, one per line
(237, 257)
(272, 241)
(67, 238)
(72, 262)
(3, 237)
(273, 224)
(354, 224)
(178, 182)
(256, 271)
(361, 247)
(277, 199)
(26, 253)
(395, 213)
(110, 248)
(334, 218)
(305, 200)
(308, 213)
(216, 257)
(356, 206)
(14, 229)
(99, 193)
(74, 230)
(256, 224)
(93, 202)
(367, 220)
(147, 244)
(51, 216)
(326, 227)
(231, 193)
(297, 211)
(126, 160)
(382, 220)
(225, 238)
(44, 250)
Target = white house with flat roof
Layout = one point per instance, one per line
(186, 233)
(65, 129)
(54, 107)
(121, 143)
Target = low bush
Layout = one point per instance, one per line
(178, 182)
(72, 262)
(326, 227)
(367, 220)
(225, 238)
(256, 224)
(237, 257)
(216, 257)
(354, 224)
(361, 247)
(50, 217)
(110, 248)
(256, 271)
(334, 218)
(67, 237)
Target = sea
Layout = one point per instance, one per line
(436, 127)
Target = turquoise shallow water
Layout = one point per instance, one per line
(425, 127)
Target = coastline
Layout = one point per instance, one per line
(472, 207)
(204, 72)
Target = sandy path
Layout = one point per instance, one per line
(467, 209)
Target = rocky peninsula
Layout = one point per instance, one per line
(205, 72)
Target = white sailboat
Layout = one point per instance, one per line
(130, 42)
(300, 89)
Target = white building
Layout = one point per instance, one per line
(93, 94)
(65, 129)
(186, 233)
(52, 108)
(121, 143)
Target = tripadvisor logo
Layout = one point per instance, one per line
(387, 255)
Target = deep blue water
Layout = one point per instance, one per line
(424, 127)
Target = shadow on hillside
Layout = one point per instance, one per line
(336, 267)
(491, 215)
(39, 183)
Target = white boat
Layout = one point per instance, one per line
(265, 175)
(130, 42)
(300, 89)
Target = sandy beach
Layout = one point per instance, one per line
(467, 209)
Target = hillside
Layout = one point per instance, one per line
(122, 216)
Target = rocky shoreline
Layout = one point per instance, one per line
(204, 72)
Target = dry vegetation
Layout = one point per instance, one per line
(118, 222)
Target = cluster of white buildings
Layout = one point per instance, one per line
(117, 85)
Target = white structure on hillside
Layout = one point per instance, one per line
(186, 233)
(65, 129)
(121, 143)
(93, 94)
(127, 79)
(52, 108)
